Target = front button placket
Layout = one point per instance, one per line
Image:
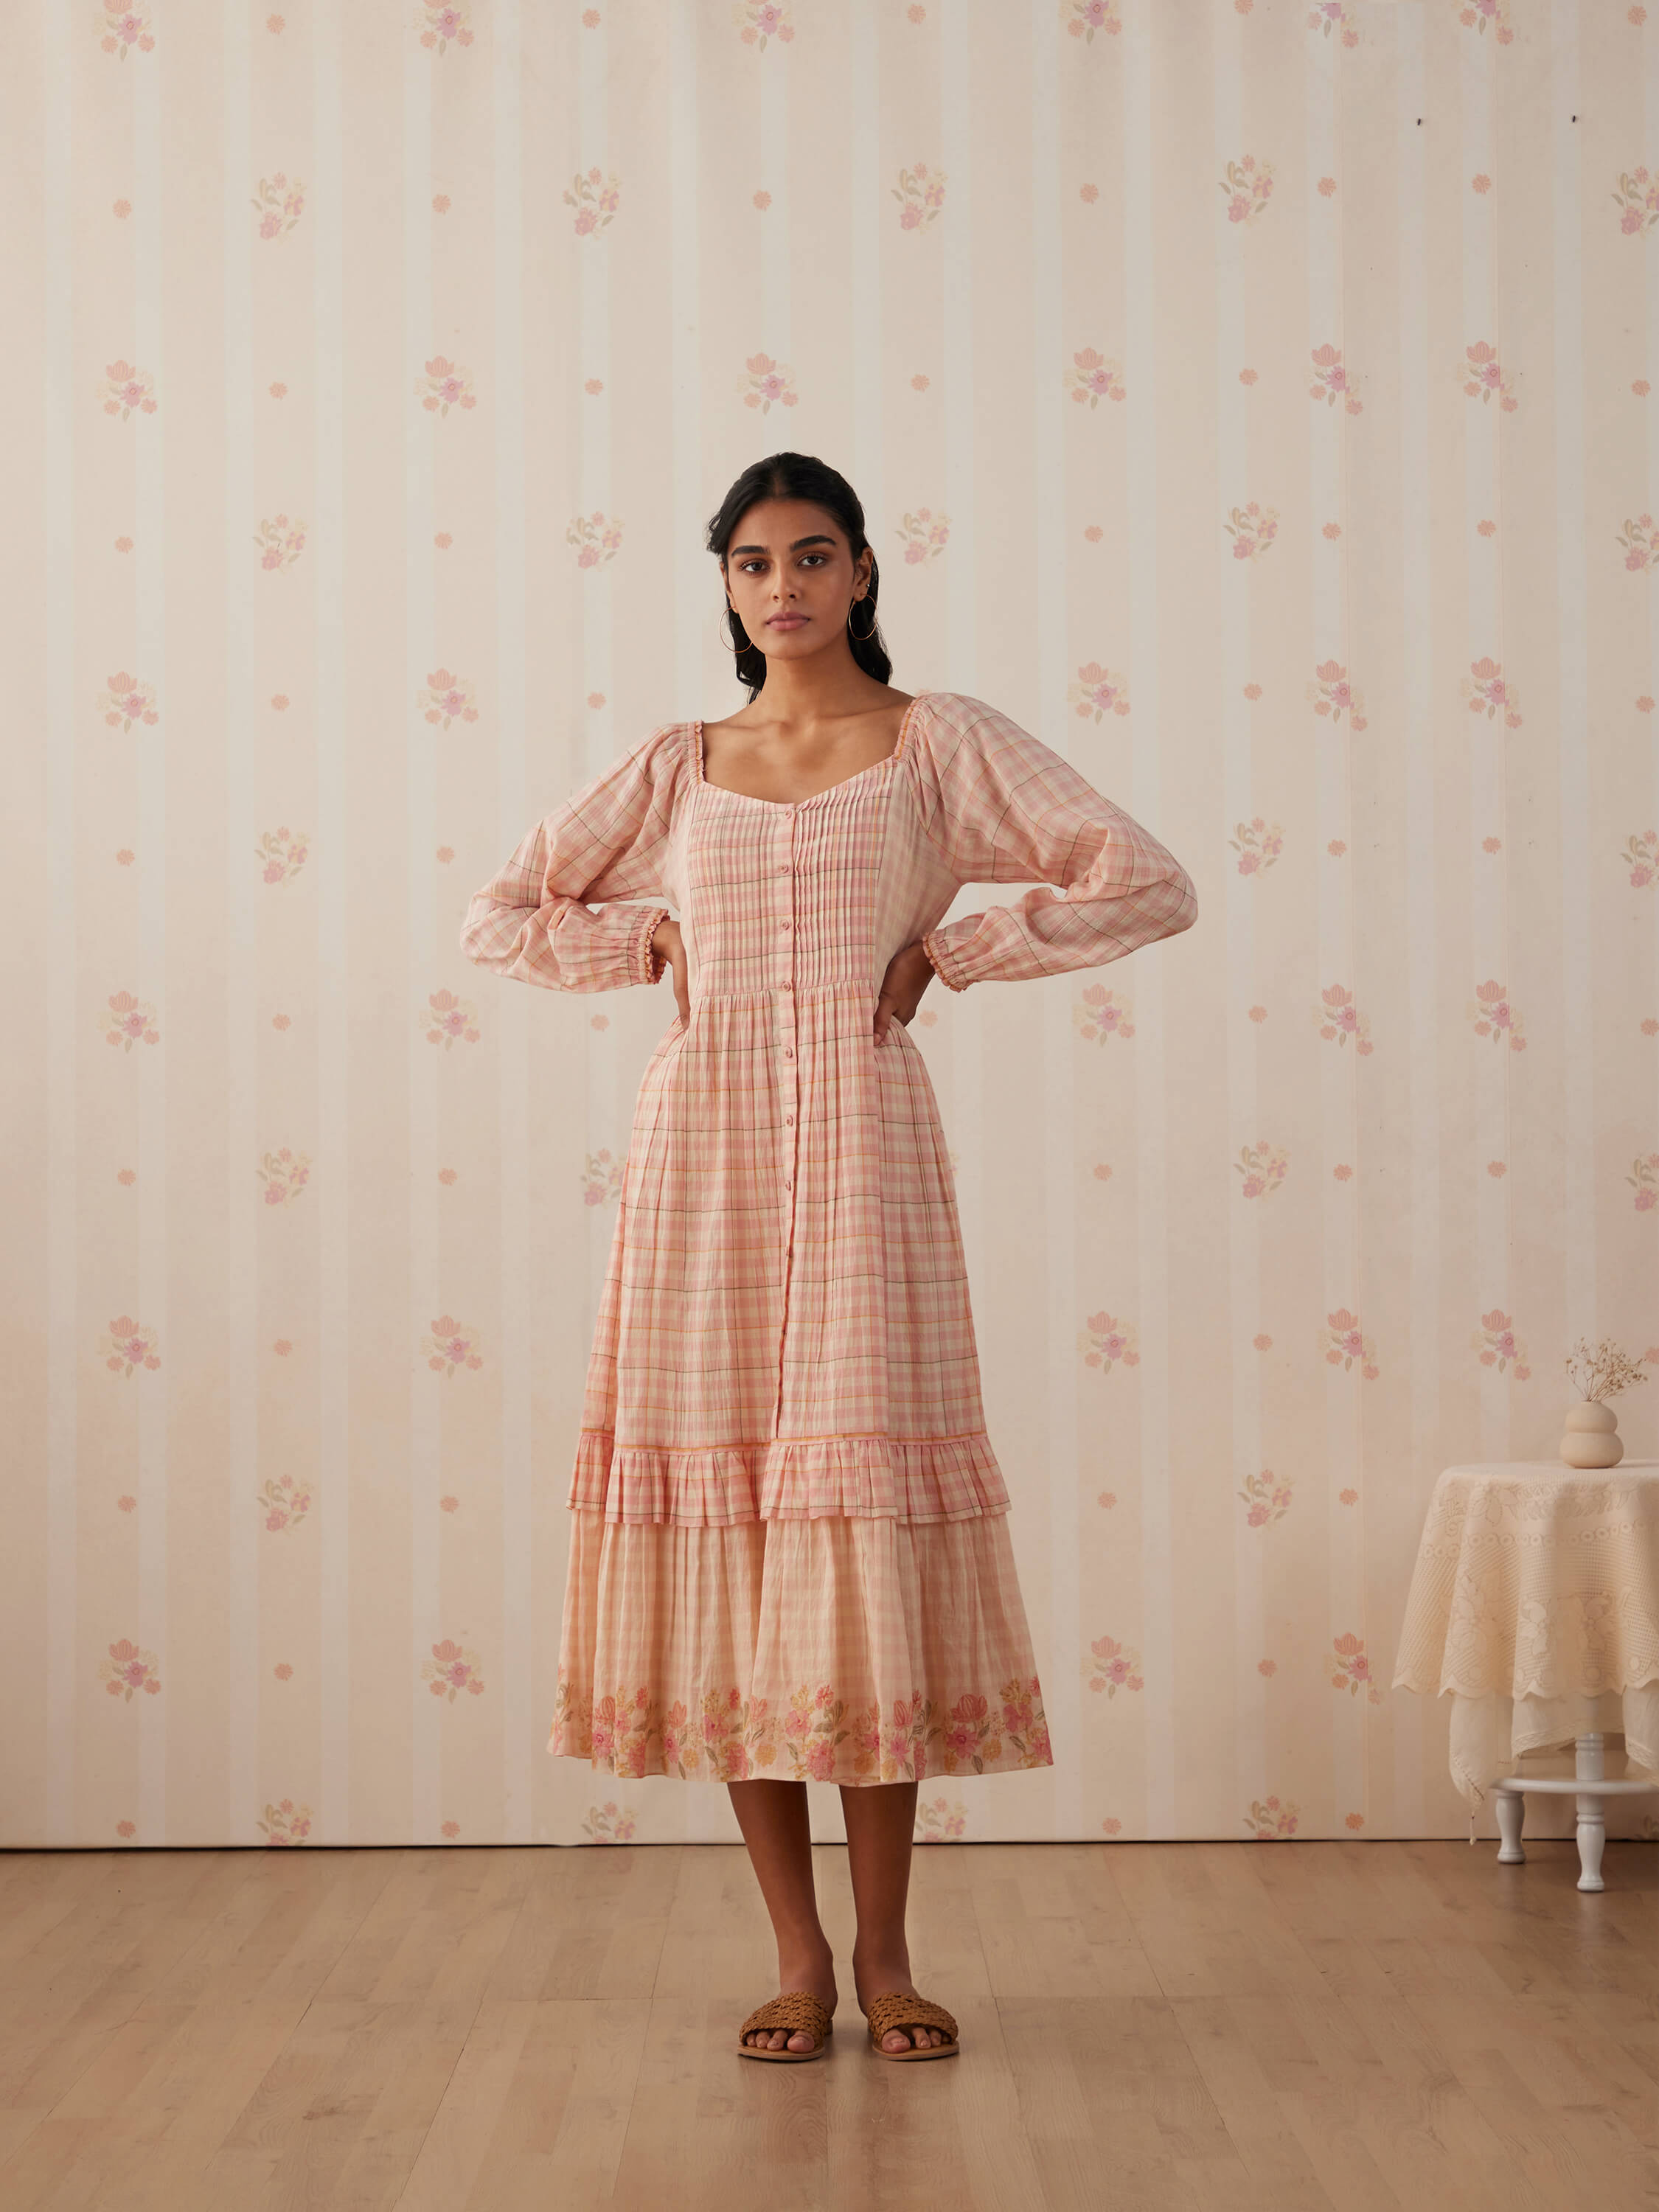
(786, 937)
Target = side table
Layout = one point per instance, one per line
(1535, 1606)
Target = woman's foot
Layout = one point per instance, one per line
(875, 1978)
(813, 1971)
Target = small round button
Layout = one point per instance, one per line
(785, 925)
(789, 1052)
(789, 1120)
(789, 1182)
(787, 985)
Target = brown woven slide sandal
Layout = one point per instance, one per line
(795, 2011)
(897, 2010)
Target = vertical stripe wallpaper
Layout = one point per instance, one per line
(1252, 397)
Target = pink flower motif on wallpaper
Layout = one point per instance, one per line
(1333, 692)
(1493, 1017)
(451, 1346)
(1339, 1018)
(1482, 377)
(1637, 201)
(284, 1502)
(286, 1824)
(596, 539)
(279, 542)
(1097, 1014)
(1332, 381)
(444, 385)
(282, 855)
(127, 1669)
(1098, 692)
(1641, 857)
(446, 25)
(1644, 1178)
(941, 1821)
(278, 205)
(129, 1345)
(1252, 529)
(923, 534)
(125, 388)
(1093, 377)
(757, 21)
(1342, 1345)
(447, 698)
(450, 1670)
(450, 1830)
(1263, 1167)
(1328, 15)
(1256, 845)
(127, 700)
(1641, 548)
(1267, 1498)
(920, 195)
(1104, 1341)
(126, 1830)
(125, 27)
(1482, 14)
(1485, 692)
(769, 383)
(129, 1021)
(1268, 1818)
(284, 1174)
(608, 1824)
(1498, 1346)
(447, 1020)
(1112, 1667)
(1351, 1670)
(595, 198)
(1088, 16)
(602, 1177)
(1249, 187)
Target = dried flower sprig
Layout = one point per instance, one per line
(1604, 1372)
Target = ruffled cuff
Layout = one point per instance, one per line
(645, 965)
(940, 961)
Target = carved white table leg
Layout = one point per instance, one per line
(1589, 1765)
(1510, 1807)
(1589, 1785)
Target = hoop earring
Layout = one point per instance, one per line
(738, 650)
(864, 637)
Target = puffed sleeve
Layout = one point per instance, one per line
(555, 912)
(1008, 809)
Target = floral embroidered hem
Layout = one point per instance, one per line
(834, 1650)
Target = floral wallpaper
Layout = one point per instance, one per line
(1252, 399)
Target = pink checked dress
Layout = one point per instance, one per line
(789, 1544)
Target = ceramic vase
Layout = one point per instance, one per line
(1592, 1437)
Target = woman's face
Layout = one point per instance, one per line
(791, 576)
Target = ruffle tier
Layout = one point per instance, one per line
(823, 1649)
(910, 1480)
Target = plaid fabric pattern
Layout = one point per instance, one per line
(840, 1650)
(784, 1335)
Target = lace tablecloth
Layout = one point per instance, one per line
(1534, 1604)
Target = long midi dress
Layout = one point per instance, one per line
(789, 1548)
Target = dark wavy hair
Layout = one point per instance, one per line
(801, 476)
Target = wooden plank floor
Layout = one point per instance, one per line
(1359, 2026)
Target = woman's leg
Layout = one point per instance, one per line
(773, 1818)
(881, 1818)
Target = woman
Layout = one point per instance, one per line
(789, 1550)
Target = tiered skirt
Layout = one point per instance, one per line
(793, 1637)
